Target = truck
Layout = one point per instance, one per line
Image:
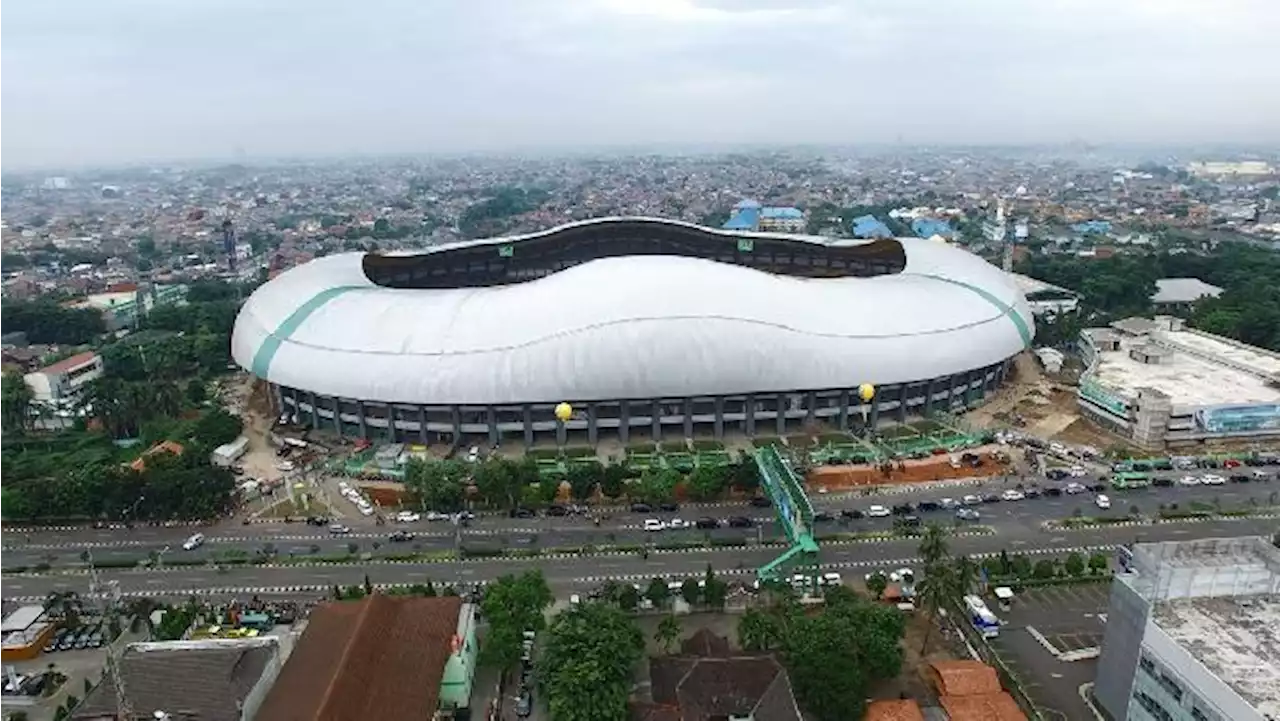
(227, 454)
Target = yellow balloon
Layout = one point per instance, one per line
(866, 392)
(564, 411)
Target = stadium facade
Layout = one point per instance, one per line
(648, 328)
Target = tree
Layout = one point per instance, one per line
(759, 631)
(1044, 569)
(628, 597)
(438, 484)
(1075, 564)
(613, 481)
(832, 657)
(876, 584)
(965, 576)
(512, 605)
(668, 633)
(691, 592)
(216, 427)
(658, 592)
(587, 662)
(707, 482)
(499, 482)
(714, 590)
(15, 402)
(583, 478)
(933, 545)
(659, 485)
(934, 592)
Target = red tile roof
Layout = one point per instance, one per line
(378, 658)
(894, 710)
(67, 364)
(965, 678)
(983, 707)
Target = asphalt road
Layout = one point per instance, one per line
(566, 574)
(1016, 519)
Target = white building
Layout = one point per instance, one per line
(1193, 633)
(62, 382)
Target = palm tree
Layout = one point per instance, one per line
(935, 592)
(965, 576)
(668, 633)
(933, 545)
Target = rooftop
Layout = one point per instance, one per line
(894, 710)
(1183, 290)
(67, 364)
(965, 678)
(1236, 638)
(208, 680)
(377, 658)
(1029, 285)
(1202, 370)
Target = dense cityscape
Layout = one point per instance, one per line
(678, 360)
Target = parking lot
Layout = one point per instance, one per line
(1067, 619)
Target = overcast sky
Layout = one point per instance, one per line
(105, 81)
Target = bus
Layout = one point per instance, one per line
(1121, 481)
(981, 617)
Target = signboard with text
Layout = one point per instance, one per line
(1094, 393)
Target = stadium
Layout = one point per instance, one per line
(647, 328)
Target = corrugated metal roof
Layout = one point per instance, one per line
(1183, 290)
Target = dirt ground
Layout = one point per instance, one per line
(935, 468)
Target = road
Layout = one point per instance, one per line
(65, 548)
(568, 574)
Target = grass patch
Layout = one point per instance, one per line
(302, 505)
(704, 445)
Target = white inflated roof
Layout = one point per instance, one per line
(630, 327)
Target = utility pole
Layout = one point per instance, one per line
(108, 592)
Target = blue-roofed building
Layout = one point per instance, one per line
(1092, 227)
(867, 226)
(929, 227)
(750, 215)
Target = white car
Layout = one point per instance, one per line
(1077, 472)
(193, 543)
(1102, 501)
(971, 500)
(1211, 479)
(437, 516)
(408, 517)
(654, 524)
(830, 579)
(1188, 481)
(902, 574)
(473, 454)
(1074, 488)
(878, 512)
(366, 510)
(948, 503)
(677, 523)
(1012, 495)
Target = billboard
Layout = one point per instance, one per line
(1239, 419)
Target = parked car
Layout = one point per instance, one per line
(193, 542)
(668, 507)
(761, 502)
(928, 506)
(676, 524)
(948, 503)
(1053, 492)
(654, 524)
(971, 500)
(1162, 482)
(1032, 492)
(852, 514)
(1012, 495)
(408, 517)
(823, 517)
(967, 514)
(1188, 481)
(641, 508)
(741, 522)
(707, 522)
(521, 513)
(400, 537)
(1074, 488)
(317, 521)
(878, 512)
(338, 529)
(556, 509)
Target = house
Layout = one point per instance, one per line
(868, 226)
(60, 384)
(172, 448)
(707, 682)
(893, 710)
(970, 690)
(1181, 293)
(382, 657)
(209, 680)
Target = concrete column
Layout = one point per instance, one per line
(491, 417)
(315, 412)
(749, 417)
(624, 422)
(273, 398)
(719, 418)
(562, 434)
(656, 424)
(364, 429)
(844, 409)
(810, 401)
(873, 419)
(687, 404)
(422, 425)
(456, 413)
(951, 395)
(337, 415)
(928, 397)
(903, 391)
(593, 434)
(782, 415)
(968, 389)
(528, 426)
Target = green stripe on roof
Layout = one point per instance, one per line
(1024, 330)
(267, 351)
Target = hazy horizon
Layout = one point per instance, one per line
(133, 81)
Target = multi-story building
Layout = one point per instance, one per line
(61, 383)
(1193, 633)
(121, 307)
